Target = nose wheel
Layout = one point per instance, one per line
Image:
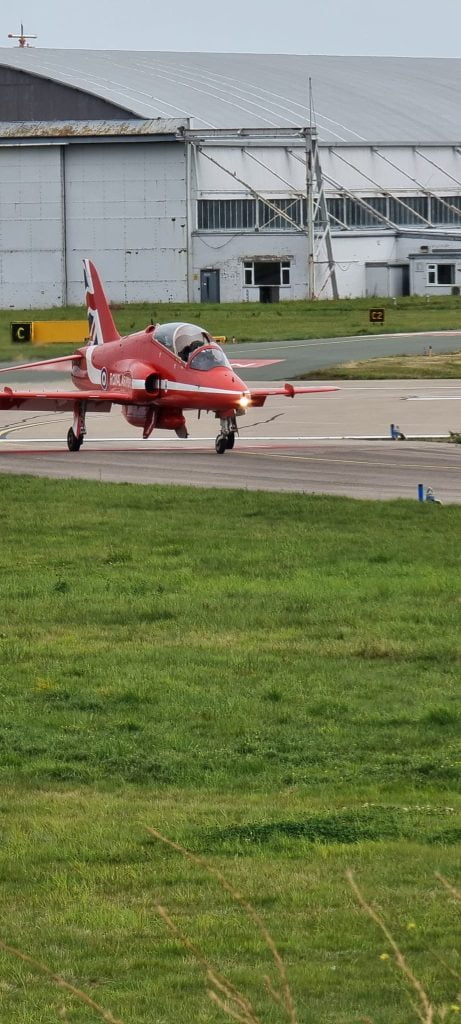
(226, 438)
(220, 444)
(74, 441)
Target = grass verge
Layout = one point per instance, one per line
(446, 366)
(253, 321)
(270, 680)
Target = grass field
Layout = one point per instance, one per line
(270, 680)
(253, 321)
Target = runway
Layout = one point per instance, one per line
(323, 444)
(378, 469)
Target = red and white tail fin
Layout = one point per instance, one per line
(100, 321)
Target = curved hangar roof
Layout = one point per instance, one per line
(370, 99)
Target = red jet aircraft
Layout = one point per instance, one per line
(155, 375)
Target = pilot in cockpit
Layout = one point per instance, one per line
(186, 352)
(181, 338)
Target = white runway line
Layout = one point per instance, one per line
(182, 444)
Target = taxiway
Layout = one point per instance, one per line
(337, 443)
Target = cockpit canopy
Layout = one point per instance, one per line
(209, 358)
(184, 339)
(177, 336)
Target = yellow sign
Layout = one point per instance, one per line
(50, 332)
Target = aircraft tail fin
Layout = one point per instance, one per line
(100, 321)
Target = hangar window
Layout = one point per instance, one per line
(373, 211)
(226, 214)
(336, 211)
(408, 209)
(248, 214)
(441, 273)
(359, 216)
(270, 220)
(446, 210)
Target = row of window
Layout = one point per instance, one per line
(257, 215)
(402, 210)
(250, 214)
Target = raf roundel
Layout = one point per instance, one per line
(104, 378)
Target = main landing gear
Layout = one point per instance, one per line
(74, 443)
(226, 438)
(78, 430)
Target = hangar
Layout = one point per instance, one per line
(227, 177)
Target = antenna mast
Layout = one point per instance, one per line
(318, 223)
(22, 38)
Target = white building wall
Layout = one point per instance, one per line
(227, 253)
(126, 207)
(353, 251)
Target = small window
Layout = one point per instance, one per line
(285, 273)
(446, 273)
(267, 273)
(441, 273)
(248, 273)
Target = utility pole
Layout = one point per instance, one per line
(310, 202)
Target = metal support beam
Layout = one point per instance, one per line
(423, 189)
(384, 191)
(437, 166)
(317, 226)
(257, 195)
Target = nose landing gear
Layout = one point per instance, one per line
(226, 438)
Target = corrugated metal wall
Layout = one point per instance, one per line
(126, 209)
(31, 228)
(26, 97)
(122, 204)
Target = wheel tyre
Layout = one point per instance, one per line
(74, 443)
(220, 444)
(230, 440)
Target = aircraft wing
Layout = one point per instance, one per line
(259, 395)
(61, 401)
(57, 362)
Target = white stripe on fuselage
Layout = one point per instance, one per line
(94, 375)
(173, 385)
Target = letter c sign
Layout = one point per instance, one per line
(21, 332)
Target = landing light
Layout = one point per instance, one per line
(244, 401)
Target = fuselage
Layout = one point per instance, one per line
(145, 372)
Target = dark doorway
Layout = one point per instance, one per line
(269, 293)
(209, 286)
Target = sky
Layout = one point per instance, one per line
(415, 28)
